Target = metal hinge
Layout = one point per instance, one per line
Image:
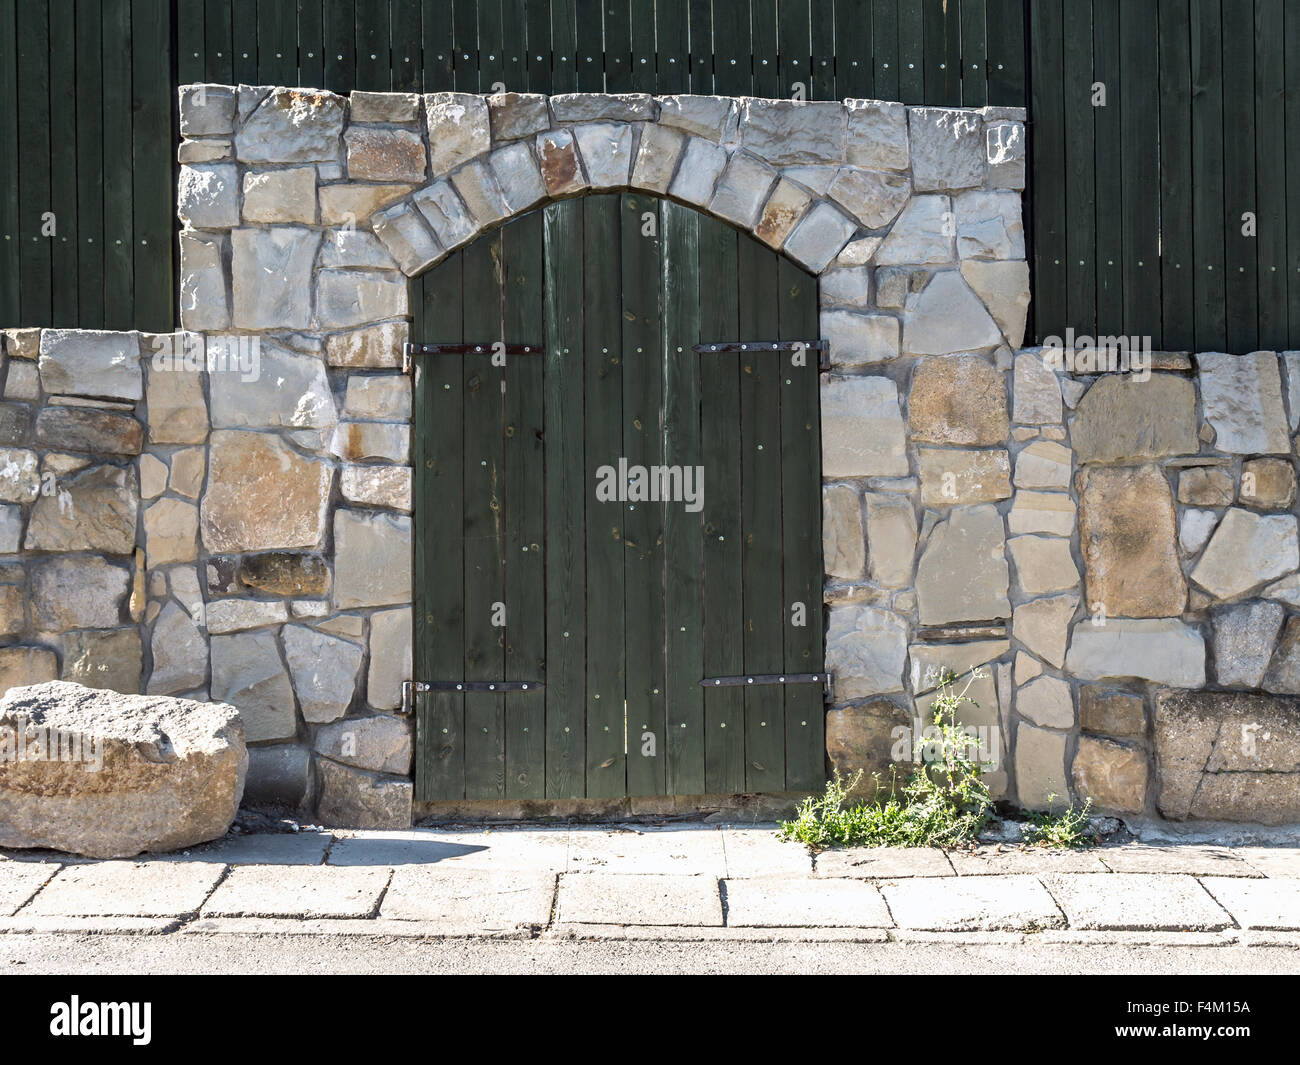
(825, 678)
(412, 688)
(822, 347)
(409, 350)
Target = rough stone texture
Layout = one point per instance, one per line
(1043, 464)
(891, 534)
(1165, 650)
(947, 148)
(1194, 529)
(1004, 288)
(178, 411)
(207, 196)
(206, 110)
(324, 670)
(818, 237)
(1041, 512)
(262, 495)
(301, 398)
(1206, 486)
(962, 575)
(88, 363)
(1244, 635)
(742, 190)
(446, 214)
(1127, 536)
(788, 132)
(656, 159)
(170, 528)
(606, 154)
(862, 428)
(959, 399)
(873, 198)
(287, 195)
(248, 673)
(381, 743)
(352, 798)
(1043, 564)
(1269, 484)
(292, 126)
(407, 239)
(1111, 774)
(518, 178)
(105, 659)
(951, 476)
(377, 486)
(784, 208)
(458, 128)
(1047, 701)
(20, 666)
(92, 510)
(384, 155)
(1242, 399)
(844, 546)
(1040, 769)
(712, 117)
(180, 653)
(698, 171)
(1122, 419)
(346, 298)
(922, 234)
(372, 559)
(1113, 713)
(172, 776)
(946, 317)
(271, 271)
(876, 134)
(1247, 550)
(89, 429)
(390, 657)
(376, 347)
(862, 739)
(286, 573)
(860, 339)
(1043, 626)
(867, 648)
(988, 225)
(1283, 675)
(278, 775)
(1227, 756)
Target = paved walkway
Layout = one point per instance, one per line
(690, 882)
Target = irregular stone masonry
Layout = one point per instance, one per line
(1080, 536)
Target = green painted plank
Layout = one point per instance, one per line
(618, 46)
(942, 29)
(311, 43)
(514, 44)
(439, 522)
(1207, 184)
(565, 35)
(884, 29)
(1047, 172)
(1271, 165)
(63, 164)
(805, 730)
(484, 532)
(701, 45)
(565, 566)
(855, 68)
(10, 239)
(643, 538)
(33, 104)
(911, 52)
(672, 42)
(1109, 169)
(243, 29)
(90, 173)
(683, 530)
(404, 34)
(1177, 261)
(586, 60)
(525, 505)
(1139, 131)
(1080, 173)
(189, 40)
(766, 47)
(439, 55)
(152, 167)
(823, 53)
(1292, 62)
(1241, 290)
(974, 54)
(539, 47)
(603, 432)
(1006, 47)
(761, 541)
(724, 625)
(277, 44)
(732, 53)
(340, 46)
(374, 63)
(464, 35)
(795, 44)
(119, 301)
(218, 43)
(642, 76)
(492, 66)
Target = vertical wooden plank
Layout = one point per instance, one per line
(464, 35)
(683, 531)
(277, 44)
(822, 61)
(672, 42)
(189, 41)
(63, 164)
(374, 65)
(1207, 183)
(340, 46)
(1177, 257)
(761, 540)
(566, 634)
(732, 53)
(724, 622)
(1241, 293)
(484, 438)
(1271, 165)
(607, 749)
(243, 31)
(1139, 132)
(439, 55)
(218, 43)
(538, 32)
(1047, 170)
(404, 45)
(525, 507)
(643, 537)
(311, 43)
(492, 67)
(33, 105)
(514, 46)
(439, 522)
(586, 61)
(90, 171)
(911, 52)
(942, 21)
(701, 44)
(618, 46)
(1292, 63)
(119, 279)
(1080, 173)
(974, 54)
(151, 165)
(566, 28)
(641, 75)
(884, 22)
(1006, 47)
(10, 230)
(855, 67)
(766, 48)
(795, 44)
(1109, 169)
(805, 729)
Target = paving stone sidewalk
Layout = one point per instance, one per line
(665, 883)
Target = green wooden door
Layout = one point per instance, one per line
(619, 517)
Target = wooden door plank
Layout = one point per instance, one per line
(765, 45)
(218, 43)
(565, 565)
(465, 46)
(484, 532)
(539, 47)
(618, 46)
(683, 581)
(1207, 181)
(90, 169)
(491, 34)
(311, 43)
(1177, 263)
(1109, 167)
(1292, 63)
(33, 106)
(119, 215)
(641, 71)
(405, 41)
(152, 152)
(566, 28)
(701, 44)
(1141, 212)
(525, 507)
(64, 163)
(1049, 307)
(340, 46)
(10, 230)
(243, 28)
(974, 54)
(884, 30)
(805, 730)
(911, 52)
(514, 39)
(1241, 291)
(854, 65)
(584, 58)
(374, 67)
(1006, 48)
(672, 43)
(732, 53)
(603, 430)
(795, 45)
(1270, 164)
(761, 544)
(724, 645)
(439, 52)
(1080, 172)
(439, 555)
(189, 41)
(942, 27)
(277, 44)
(643, 538)
(822, 61)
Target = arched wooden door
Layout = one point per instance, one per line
(615, 531)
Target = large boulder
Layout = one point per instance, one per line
(109, 776)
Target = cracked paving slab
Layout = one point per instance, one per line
(462, 901)
(971, 904)
(126, 889)
(298, 891)
(1131, 901)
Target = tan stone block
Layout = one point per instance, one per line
(1112, 775)
(958, 399)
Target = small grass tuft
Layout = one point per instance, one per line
(1066, 830)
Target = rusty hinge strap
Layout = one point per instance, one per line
(410, 350)
(745, 679)
(483, 686)
(822, 347)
